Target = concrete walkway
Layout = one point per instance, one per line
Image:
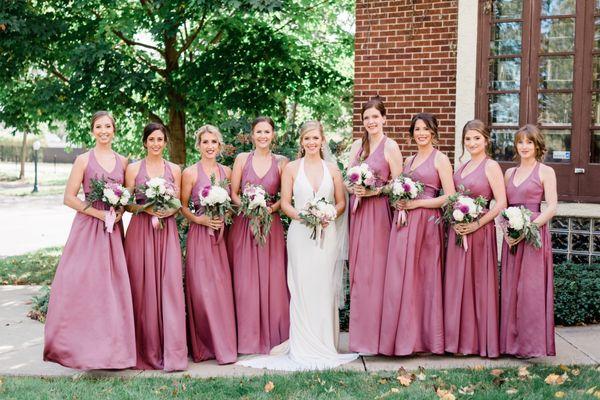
(21, 344)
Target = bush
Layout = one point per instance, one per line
(576, 294)
(39, 305)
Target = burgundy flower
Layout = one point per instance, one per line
(406, 187)
(205, 191)
(353, 177)
(463, 208)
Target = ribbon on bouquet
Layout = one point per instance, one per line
(355, 205)
(401, 218)
(465, 243)
(157, 222)
(110, 217)
(319, 235)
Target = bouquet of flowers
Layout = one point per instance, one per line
(517, 224)
(112, 194)
(460, 208)
(316, 213)
(403, 188)
(216, 202)
(160, 195)
(254, 206)
(361, 175)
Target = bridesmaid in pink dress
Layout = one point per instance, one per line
(259, 271)
(413, 319)
(370, 223)
(527, 307)
(471, 298)
(90, 316)
(154, 263)
(208, 289)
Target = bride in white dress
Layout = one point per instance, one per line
(312, 275)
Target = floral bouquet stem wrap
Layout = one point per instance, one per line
(316, 213)
(403, 188)
(112, 194)
(255, 201)
(160, 195)
(461, 208)
(517, 224)
(217, 203)
(361, 175)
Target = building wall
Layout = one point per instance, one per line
(406, 52)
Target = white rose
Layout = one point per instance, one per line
(150, 193)
(458, 215)
(258, 201)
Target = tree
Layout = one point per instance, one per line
(182, 63)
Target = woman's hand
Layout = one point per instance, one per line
(212, 223)
(119, 214)
(513, 242)
(466, 228)
(361, 191)
(408, 204)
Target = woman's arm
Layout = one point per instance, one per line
(444, 169)
(236, 178)
(188, 181)
(282, 162)
(493, 173)
(338, 185)
(287, 184)
(548, 179)
(73, 185)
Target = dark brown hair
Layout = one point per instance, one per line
(151, 127)
(430, 121)
(260, 119)
(99, 114)
(376, 103)
(532, 133)
(479, 126)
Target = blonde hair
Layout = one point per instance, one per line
(532, 133)
(309, 126)
(209, 129)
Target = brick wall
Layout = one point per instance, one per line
(405, 51)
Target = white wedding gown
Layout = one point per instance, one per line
(313, 282)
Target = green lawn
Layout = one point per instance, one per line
(36, 268)
(581, 383)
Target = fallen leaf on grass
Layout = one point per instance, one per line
(497, 372)
(421, 375)
(478, 368)
(564, 368)
(395, 390)
(404, 377)
(560, 395)
(445, 394)
(575, 372)
(591, 390)
(467, 390)
(511, 391)
(524, 373)
(269, 386)
(383, 381)
(554, 379)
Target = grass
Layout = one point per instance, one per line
(478, 383)
(35, 268)
(51, 179)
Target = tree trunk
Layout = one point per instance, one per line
(177, 132)
(23, 155)
(176, 103)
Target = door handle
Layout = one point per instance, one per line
(579, 170)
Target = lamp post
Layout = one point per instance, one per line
(36, 148)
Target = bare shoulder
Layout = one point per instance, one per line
(492, 165)
(124, 160)
(242, 157)
(408, 160)
(281, 159)
(226, 169)
(509, 171)
(391, 144)
(174, 167)
(547, 171)
(190, 171)
(441, 158)
(292, 167)
(333, 168)
(82, 159)
(134, 166)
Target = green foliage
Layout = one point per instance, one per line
(39, 305)
(576, 294)
(184, 63)
(461, 383)
(36, 268)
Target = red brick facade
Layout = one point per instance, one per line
(405, 51)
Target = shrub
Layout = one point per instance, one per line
(576, 294)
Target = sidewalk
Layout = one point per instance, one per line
(21, 344)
